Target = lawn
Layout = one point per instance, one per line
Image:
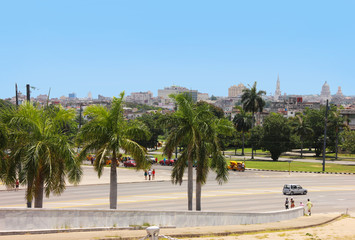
(299, 166)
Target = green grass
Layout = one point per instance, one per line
(298, 166)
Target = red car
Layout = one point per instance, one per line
(130, 163)
(168, 162)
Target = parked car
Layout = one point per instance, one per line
(150, 159)
(130, 163)
(292, 189)
(168, 162)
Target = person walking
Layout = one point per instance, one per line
(153, 173)
(286, 203)
(309, 206)
(292, 203)
(17, 184)
(149, 174)
(145, 174)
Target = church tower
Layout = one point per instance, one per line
(277, 91)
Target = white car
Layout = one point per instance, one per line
(292, 189)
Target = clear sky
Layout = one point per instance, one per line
(105, 47)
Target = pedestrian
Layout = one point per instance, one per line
(309, 206)
(301, 204)
(153, 173)
(286, 203)
(164, 161)
(150, 174)
(145, 174)
(17, 184)
(292, 203)
(156, 160)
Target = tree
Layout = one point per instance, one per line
(276, 135)
(41, 153)
(106, 133)
(349, 140)
(301, 129)
(336, 123)
(151, 120)
(242, 122)
(196, 127)
(253, 102)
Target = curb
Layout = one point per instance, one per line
(254, 169)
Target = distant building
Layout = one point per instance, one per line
(140, 97)
(72, 96)
(164, 93)
(277, 91)
(89, 95)
(339, 93)
(202, 97)
(236, 91)
(325, 93)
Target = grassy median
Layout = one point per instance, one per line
(299, 166)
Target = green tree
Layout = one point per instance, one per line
(276, 135)
(253, 102)
(336, 124)
(151, 120)
(197, 128)
(41, 153)
(242, 122)
(301, 129)
(106, 133)
(348, 140)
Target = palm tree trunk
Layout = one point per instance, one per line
(190, 184)
(39, 191)
(113, 182)
(198, 196)
(243, 143)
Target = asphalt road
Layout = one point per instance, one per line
(250, 191)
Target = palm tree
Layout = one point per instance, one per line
(107, 133)
(243, 122)
(209, 155)
(301, 129)
(41, 153)
(253, 102)
(196, 128)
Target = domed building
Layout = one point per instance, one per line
(325, 93)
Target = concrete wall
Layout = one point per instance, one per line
(14, 219)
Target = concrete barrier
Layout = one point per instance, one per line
(15, 219)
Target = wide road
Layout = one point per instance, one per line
(250, 191)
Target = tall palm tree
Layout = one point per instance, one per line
(302, 129)
(41, 153)
(191, 125)
(107, 133)
(209, 155)
(243, 122)
(184, 129)
(253, 102)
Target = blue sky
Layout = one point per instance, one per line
(106, 47)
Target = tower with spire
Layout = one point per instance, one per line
(277, 91)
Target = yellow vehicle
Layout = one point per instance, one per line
(236, 166)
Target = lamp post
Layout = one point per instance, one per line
(289, 166)
(325, 134)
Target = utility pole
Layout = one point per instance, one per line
(16, 95)
(28, 92)
(325, 134)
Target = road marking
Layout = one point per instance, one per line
(181, 195)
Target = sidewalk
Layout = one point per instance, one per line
(193, 232)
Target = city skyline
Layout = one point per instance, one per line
(134, 46)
